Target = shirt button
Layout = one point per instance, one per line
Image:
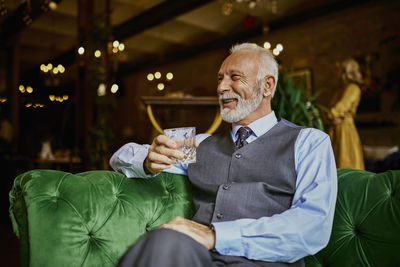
(219, 216)
(238, 156)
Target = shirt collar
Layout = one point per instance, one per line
(260, 126)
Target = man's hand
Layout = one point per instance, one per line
(199, 232)
(160, 154)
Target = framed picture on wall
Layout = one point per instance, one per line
(301, 78)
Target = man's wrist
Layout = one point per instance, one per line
(145, 169)
(215, 237)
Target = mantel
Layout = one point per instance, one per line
(180, 101)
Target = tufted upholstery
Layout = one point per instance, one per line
(90, 219)
(366, 227)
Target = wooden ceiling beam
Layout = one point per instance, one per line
(155, 16)
(14, 23)
(152, 17)
(227, 41)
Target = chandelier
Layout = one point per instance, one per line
(270, 5)
(157, 78)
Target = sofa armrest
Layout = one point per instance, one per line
(90, 218)
(366, 226)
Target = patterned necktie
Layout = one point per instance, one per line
(244, 132)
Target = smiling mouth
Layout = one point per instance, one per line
(228, 103)
(228, 100)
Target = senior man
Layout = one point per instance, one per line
(264, 192)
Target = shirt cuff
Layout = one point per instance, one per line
(132, 160)
(228, 238)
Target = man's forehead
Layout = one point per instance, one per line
(230, 70)
(241, 61)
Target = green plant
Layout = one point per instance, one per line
(102, 130)
(292, 103)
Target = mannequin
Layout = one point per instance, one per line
(345, 139)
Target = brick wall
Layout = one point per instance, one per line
(317, 44)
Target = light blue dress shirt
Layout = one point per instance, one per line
(302, 230)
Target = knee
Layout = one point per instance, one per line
(168, 239)
(157, 246)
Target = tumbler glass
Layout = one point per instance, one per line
(185, 137)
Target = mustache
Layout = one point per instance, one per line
(229, 95)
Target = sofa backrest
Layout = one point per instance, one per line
(366, 227)
(91, 218)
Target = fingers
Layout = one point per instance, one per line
(157, 157)
(163, 148)
(174, 224)
(160, 155)
(179, 224)
(201, 233)
(156, 167)
(168, 152)
(163, 140)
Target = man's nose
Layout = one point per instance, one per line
(223, 86)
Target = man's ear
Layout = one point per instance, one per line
(269, 84)
(266, 93)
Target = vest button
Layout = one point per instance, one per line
(238, 156)
(220, 216)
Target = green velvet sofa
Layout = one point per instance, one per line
(91, 218)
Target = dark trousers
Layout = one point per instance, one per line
(168, 248)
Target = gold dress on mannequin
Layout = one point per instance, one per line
(345, 139)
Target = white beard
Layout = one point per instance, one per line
(243, 107)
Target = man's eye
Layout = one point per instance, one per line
(235, 76)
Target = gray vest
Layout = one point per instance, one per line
(254, 181)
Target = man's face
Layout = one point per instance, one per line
(238, 90)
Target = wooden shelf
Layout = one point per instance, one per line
(181, 101)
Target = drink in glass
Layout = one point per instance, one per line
(185, 137)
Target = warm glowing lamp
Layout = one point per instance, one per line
(169, 76)
(81, 50)
(150, 76)
(114, 88)
(160, 86)
(97, 53)
(267, 45)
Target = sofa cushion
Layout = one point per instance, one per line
(90, 218)
(366, 227)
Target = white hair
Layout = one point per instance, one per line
(267, 63)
